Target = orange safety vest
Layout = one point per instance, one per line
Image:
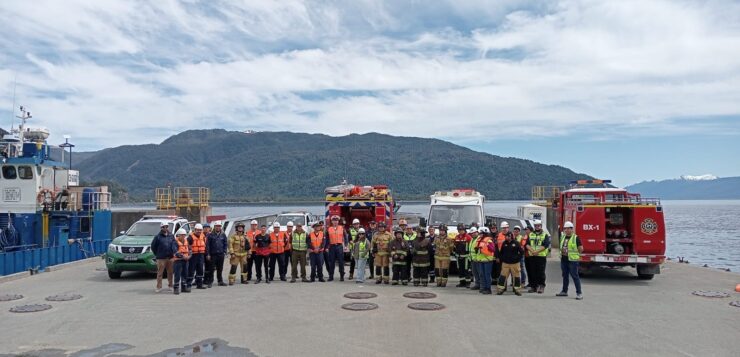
(277, 243)
(336, 235)
(317, 238)
(250, 238)
(483, 245)
(288, 246)
(500, 240)
(183, 249)
(199, 243)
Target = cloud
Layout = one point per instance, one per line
(115, 72)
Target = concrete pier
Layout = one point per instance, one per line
(620, 316)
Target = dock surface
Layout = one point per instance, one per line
(620, 316)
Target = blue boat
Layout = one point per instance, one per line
(46, 218)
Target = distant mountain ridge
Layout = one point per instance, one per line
(281, 166)
(690, 189)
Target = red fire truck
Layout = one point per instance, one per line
(365, 203)
(617, 228)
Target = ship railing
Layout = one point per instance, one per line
(546, 194)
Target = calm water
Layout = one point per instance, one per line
(704, 232)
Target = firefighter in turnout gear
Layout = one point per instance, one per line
(409, 235)
(420, 258)
(443, 249)
(399, 251)
(238, 252)
(353, 231)
(462, 242)
(196, 267)
(381, 252)
(509, 254)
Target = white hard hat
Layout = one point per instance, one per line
(290, 224)
(504, 224)
(517, 227)
(254, 221)
(537, 222)
(472, 230)
(568, 224)
(198, 226)
(217, 223)
(181, 232)
(361, 230)
(276, 224)
(355, 221)
(483, 230)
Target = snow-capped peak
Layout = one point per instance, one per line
(707, 177)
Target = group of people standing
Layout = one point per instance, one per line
(405, 254)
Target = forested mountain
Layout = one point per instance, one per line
(281, 166)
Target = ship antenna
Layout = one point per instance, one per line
(12, 110)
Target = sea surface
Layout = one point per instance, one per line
(702, 232)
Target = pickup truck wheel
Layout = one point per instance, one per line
(114, 274)
(645, 276)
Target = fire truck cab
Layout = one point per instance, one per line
(617, 228)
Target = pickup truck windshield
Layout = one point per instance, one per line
(451, 215)
(296, 219)
(145, 229)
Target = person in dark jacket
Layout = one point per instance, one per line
(164, 249)
(509, 254)
(217, 248)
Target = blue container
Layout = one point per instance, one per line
(87, 198)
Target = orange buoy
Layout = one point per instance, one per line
(737, 288)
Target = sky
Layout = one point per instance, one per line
(623, 90)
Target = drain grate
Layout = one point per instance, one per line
(360, 306)
(360, 295)
(711, 294)
(30, 308)
(420, 295)
(735, 303)
(426, 306)
(10, 297)
(64, 297)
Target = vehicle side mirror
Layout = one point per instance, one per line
(422, 222)
(489, 221)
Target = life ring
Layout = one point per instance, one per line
(45, 197)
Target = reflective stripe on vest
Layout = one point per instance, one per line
(277, 242)
(199, 243)
(536, 240)
(336, 235)
(299, 241)
(250, 238)
(484, 254)
(573, 254)
(182, 248)
(408, 238)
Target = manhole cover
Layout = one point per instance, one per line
(64, 297)
(711, 294)
(10, 297)
(420, 295)
(360, 295)
(360, 306)
(426, 306)
(30, 308)
(735, 303)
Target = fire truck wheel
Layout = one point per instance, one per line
(645, 276)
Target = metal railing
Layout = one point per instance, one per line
(182, 197)
(630, 200)
(546, 194)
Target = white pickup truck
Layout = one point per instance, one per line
(302, 217)
(454, 207)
